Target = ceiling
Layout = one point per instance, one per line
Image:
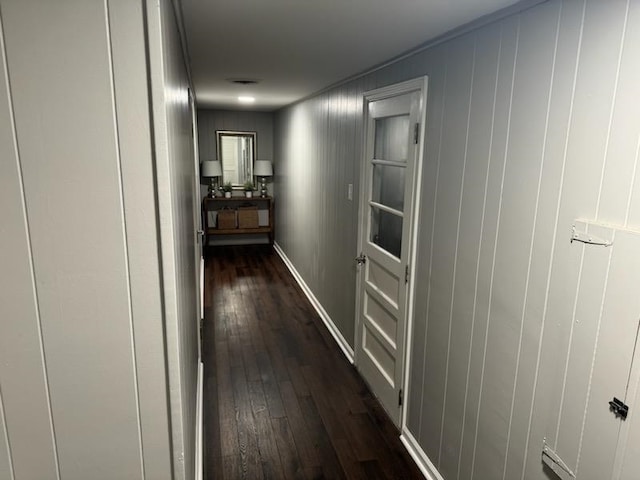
(297, 47)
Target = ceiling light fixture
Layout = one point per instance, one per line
(243, 81)
(245, 99)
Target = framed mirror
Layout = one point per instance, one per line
(236, 152)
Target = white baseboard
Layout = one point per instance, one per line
(199, 424)
(326, 319)
(425, 465)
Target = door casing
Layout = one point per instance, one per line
(418, 84)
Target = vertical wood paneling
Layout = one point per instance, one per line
(456, 106)
(335, 199)
(520, 194)
(23, 382)
(425, 233)
(631, 451)
(177, 225)
(585, 165)
(66, 135)
(459, 312)
(491, 204)
(581, 181)
(611, 362)
(561, 90)
(81, 287)
(633, 207)
(314, 214)
(486, 455)
(540, 130)
(317, 224)
(134, 141)
(624, 130)
(457, 423)
(6, 468)
(588, 300)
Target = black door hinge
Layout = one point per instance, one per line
(400, 398)
(619, 408)
(416, 133)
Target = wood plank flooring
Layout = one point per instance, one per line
(280, 399)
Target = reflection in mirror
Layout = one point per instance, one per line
(236, 152)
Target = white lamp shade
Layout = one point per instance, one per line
(211, 168)
(262, 168)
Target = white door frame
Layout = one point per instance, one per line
(197, 218)
(199, 255)
(418, 84)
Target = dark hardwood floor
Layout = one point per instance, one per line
(280, 399)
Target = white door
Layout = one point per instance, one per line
(393, 122)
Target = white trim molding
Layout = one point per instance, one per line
(199, 424)
(425, 465)
(326, 319)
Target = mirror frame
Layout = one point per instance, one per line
(236, 133)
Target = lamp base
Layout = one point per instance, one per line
(263, 187)
(212, 189)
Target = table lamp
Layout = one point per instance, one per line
(211, 169)
(262, 169)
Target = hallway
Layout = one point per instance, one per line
(280, 399)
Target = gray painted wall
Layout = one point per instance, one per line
(83, 383)
(532, 122)
(317, 151)
(211, 120)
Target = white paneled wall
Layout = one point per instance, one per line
(532, 122)
(24, 395)
(131, 103)
(83, 355)
(6, 470)
(82, 299)
(178, 211)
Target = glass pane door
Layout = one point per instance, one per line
(388, 182)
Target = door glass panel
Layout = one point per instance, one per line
(392, 138)
(388, 186)
(386, 231)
